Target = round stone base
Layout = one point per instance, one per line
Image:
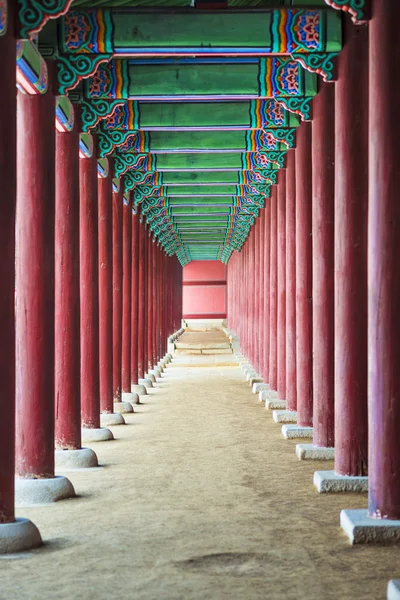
(29, 492)
(156, 372)
(150, 375)
(111, 419)
(131, 397)
(146, 382)
(19, 536)
(102, 434)
(123, 407)
(140, 390)
(84, 458)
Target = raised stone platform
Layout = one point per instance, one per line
(284, 416)
(292, 432)
(362, 529)
(199, 342)
(331, 482)
(311, 452)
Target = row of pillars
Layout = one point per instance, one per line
(314, 295)
(88, 299)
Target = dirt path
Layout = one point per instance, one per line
(199, 498)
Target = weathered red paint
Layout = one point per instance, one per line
(273, 306)
(384, 260)
(281, 297)
(126, 295)
(154, 358)
(89, 292)
(323, 194)
(105, 295)
(260, 292)
(8, 181)
(35, 286)
(291, 377)
(117, 261)
(135, 299)
(304, 276)
(67, 297)
(141, 325)
(351, 207)
(266, 288)
(149, 307)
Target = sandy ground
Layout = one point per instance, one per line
(198, 498)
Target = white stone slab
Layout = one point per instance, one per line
(268, 395)
(19, 536)
(292, 432)
(311, 452)
(331, 482)
(275, 404)
(284, 416)
(255, 380)
(393, 590)
(362, 529)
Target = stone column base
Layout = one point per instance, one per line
(101, 434)
(253, 380)
(30, 492)
(275, 404)
(393, 590)
(150, 376)
(84, 458)
(268, 395)
(259, 386)
(292, 432)
(111, 419)
(146, 382)
(19, 536)
(138, 389)
(331, 482)
(362, 529)
(311, 452)
(123, 407)
(284, 416)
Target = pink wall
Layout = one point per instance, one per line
(204, 290)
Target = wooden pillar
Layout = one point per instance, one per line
(260, 291)
(351, 207)
(126, 296)
(89, 292)
(105, 294)
(323, 194)
(383, 261)
(154, 302)
(304, 276)
(117, 260)
(67, 297)
(35, 286)
(150, 300)
(8, 181)
(281, 298)
(291, 373)
(141, 327)
(135, 299)
(266, 288)
(273, 307)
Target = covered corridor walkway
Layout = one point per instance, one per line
(198, 498)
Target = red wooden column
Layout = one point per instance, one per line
(105, 219)
(260, 291)
(304, 276)
(136, 318)
(323, 188)
(22, 528)
(350, 264)
(266, 289)
(117, 227)
(384, 260)
(291, 377)
(35, 292)
(155, 302)
(273, 306)
(89, 294)
(141, 301)
(281, 284)
(351, 207)
(149, 307)
(67, 306)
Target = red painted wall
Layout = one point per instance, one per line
(204, 290)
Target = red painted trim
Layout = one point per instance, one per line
(205, 283)
(205, 316)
